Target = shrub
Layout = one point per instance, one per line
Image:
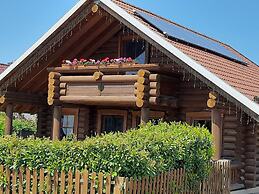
(19, 124)
(144, 152)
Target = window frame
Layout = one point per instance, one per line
(71, 111)
(110, 112)
(152, 115)
(203, 115)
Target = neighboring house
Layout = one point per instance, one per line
(193, 78)
(3, 67)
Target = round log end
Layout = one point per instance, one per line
(97, 75)
(143, 80)
(95, 8)
(54, 75)
(211, 103)
(2, 99)
(143, 73)
(140, 102)
(50, 101)
(213, 95)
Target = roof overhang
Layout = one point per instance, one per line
(248, 106)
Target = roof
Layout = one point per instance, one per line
(192, 62)
(244, 78)
(3, 67)
(236, 81)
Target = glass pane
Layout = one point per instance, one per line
(135, 50)
(67, 131)
(67, 125)
(205, 123)
(70, 122)
(112, 123)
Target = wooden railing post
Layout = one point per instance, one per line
(8, 119)
(216, 128)
(56, 123)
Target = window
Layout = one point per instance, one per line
(199, 119)
(154, 116)
(69, 122)
(136, 49)
(111, 121)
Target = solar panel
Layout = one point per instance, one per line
(180, 33)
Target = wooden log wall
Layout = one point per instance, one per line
(44, 122)
(191, 99)
(108, 49)
(83, 124)
(53, 88)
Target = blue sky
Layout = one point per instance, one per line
(234, 22)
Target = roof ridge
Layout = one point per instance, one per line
(172, 22)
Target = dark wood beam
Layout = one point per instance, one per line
(56, 57)
(73, 50)
(23, 98)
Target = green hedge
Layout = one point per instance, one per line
(19, 124)
(144, 152)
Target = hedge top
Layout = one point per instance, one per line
(147, 151)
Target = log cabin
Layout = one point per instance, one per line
(175, 74)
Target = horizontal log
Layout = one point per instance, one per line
(141, 95)
(143, 73)
(54, 75)
(229, 153)
(111, 68)
(154, 100)
(53, 95)
(249, 176)
(142, 80)
(97, 75)
(154, 78)
(105, 78)
(229, 146)
(230, 132)
(231, 125)
(99, 100)
(63, 85)
(229, 139)
(62, 92)
(154, 85)
(22, 98)
(53, 101)
(53, 89)
(154, 92)
(54, 82)
(141, 103)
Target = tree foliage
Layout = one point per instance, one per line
(19, 123)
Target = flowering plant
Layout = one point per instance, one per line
(104, 61)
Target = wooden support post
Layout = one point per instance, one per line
(56, 123)
(144, 115)
(8, 119)
(216, 122)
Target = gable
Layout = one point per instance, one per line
(165, 45)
